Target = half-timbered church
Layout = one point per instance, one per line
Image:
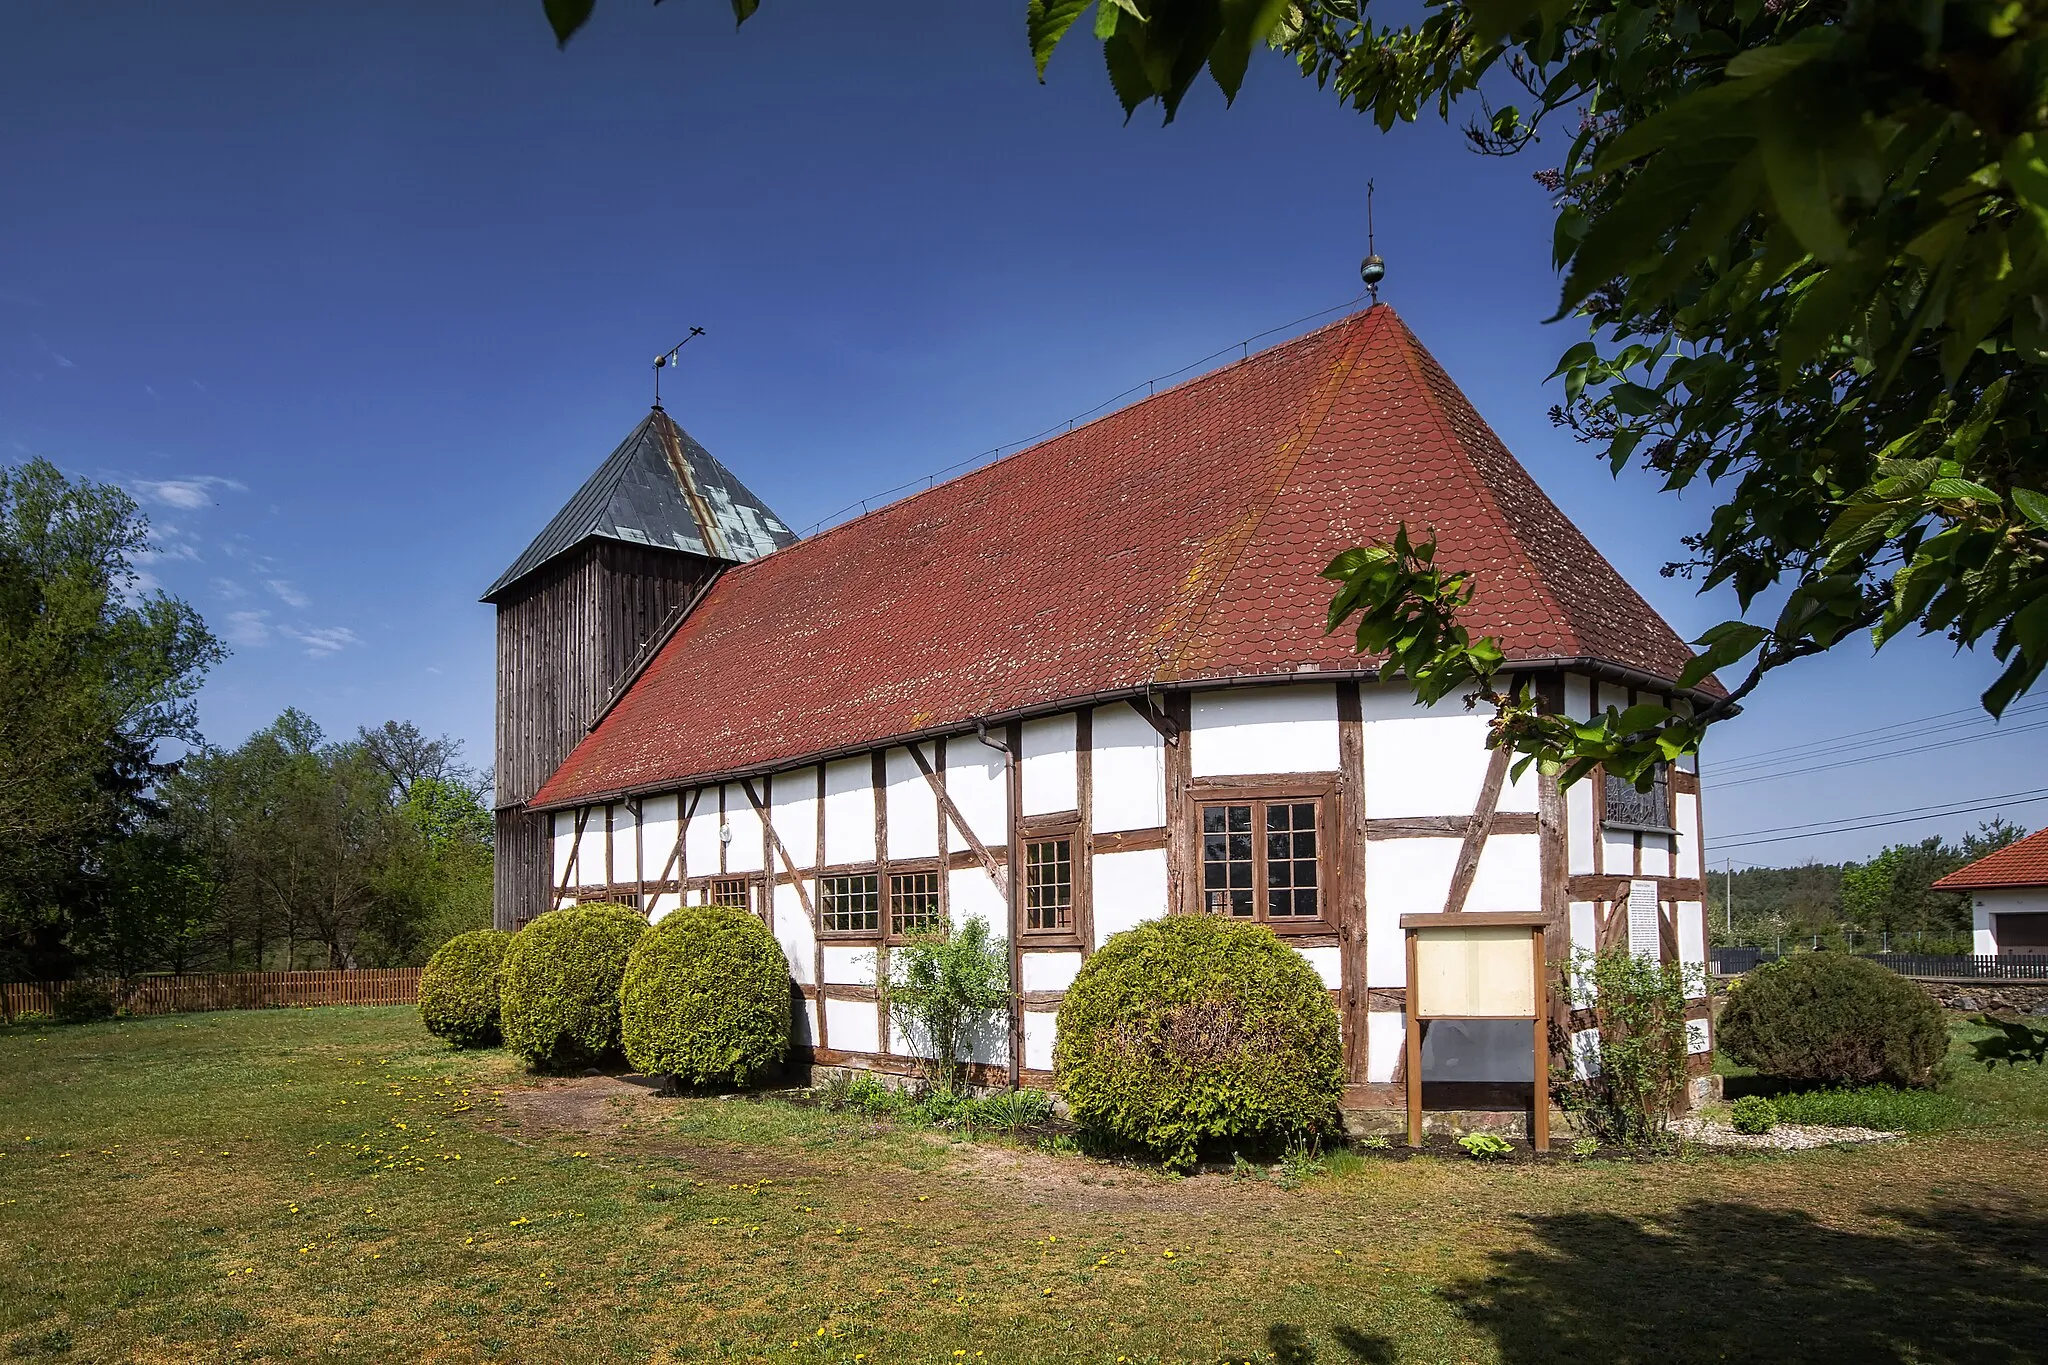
(1084, 686)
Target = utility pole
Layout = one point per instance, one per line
(1728, 899)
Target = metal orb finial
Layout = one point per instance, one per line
(1372, 269)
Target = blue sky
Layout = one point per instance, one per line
(354, 296)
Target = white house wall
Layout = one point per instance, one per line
(1422, 773)
(1264, 730)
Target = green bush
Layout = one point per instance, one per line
(706, 998)
(459, 988)
(558, 992)
(82, 1002)
(1191, 1030)
(1643, 1047)
(1836, 1020)
(1486, 1146)
(1753, 1114)
(1885, 1108)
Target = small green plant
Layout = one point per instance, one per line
(1753, 1114)
(1375, 1142)
(1486, 1147)
(1640, 1071)
(1584, 1147)
(1059, 1144)
(83, 1002)
(1241, 1169)
(1009, 1109)
(2011, 1042)
(863, 1094)
(458, 993)
(946, 991)
(1301, 1160)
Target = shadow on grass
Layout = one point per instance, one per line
(1731, 1281)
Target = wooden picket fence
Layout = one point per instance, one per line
(233, 991)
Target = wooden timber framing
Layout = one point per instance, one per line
(885, 893)
(1446, 826)
(1356, 1007)
(1013, 775)
(1182, 879)
(951, 813)
(773, 840)
(1081, 885)
(822, 1039)
(1477, 831)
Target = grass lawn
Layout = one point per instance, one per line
(334, 1185)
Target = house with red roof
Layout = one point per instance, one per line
(1086, 685)
(2008, 891)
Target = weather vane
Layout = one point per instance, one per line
(1372, 269)
(668, 357)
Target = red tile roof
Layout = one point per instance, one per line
(1180, 539)
(2024, 863)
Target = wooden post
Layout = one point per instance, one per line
(1539, 1113)
(1413, 1043)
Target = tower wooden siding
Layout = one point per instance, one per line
(566, 636)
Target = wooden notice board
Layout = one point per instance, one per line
(1477, 965)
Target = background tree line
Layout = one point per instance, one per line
(1858, 905)
(130, 844)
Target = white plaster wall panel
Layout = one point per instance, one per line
(793, 806)
(849, 966)
(803, 1024)
(1580, 832)
(1509, 877)
(1686, 807)
(1049, 971)
(1328, 962)
(1611, 696)
(1130, 888)
(1698, 1037)
(1657, 859)
(913, 810)
(1420, 762)
(1585, 937)
(563, 844)
(660, 824)
(978, 786)
(1386, 1033)
(909, 1042)
(1478, 1050)
(973, 894)
(661, 905)
(1039, 1030)
(625, 843)
(1517, 793)
(1402, 877)
(1692, 933)
(590, 849)
(700, 835)
(1264, 730)
(852, 1026)
(743, 854)
(1047, 763)
(1618, 849)
(989, 1042)
(849, 812)
(1129, 769)
(793, 932)
(1578, 697)
(1586, 1053)
(1983, 938)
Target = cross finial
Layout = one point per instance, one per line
(668, 357)
(1372, 269)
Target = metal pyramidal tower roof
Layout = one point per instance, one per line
(658, 488)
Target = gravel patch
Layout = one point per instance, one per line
(1786, 1137)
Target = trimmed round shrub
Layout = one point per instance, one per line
(558, 994)
(1837, 1020)
(1753, 1114)
(706, 998)
(1191, 1031)
(459, 988)
(85, 1002)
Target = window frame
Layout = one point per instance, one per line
(1041, 829)
(896, 873)
(1318, 790)
(870, 873)
(1661, 784)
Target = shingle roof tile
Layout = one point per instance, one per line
(1180, 539)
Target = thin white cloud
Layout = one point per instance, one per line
(228, 590)
(321, 641)
(249, 629)
(188, 494)
(287, 594)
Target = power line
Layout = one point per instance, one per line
(1852, 820)
(1798, 771)
(1822, 749)
(1855, 734)
(1880, 824)
(1067, 424)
